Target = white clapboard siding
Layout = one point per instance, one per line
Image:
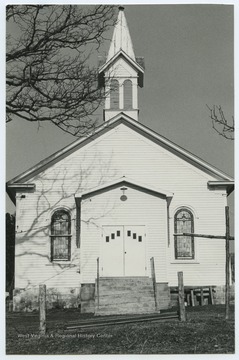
(120, 68)
(120, 152)
(32, 258)
(33, 266)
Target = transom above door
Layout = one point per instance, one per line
(123, 250)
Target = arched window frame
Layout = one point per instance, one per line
(184, 241)
(114, 94)
(128, 94)
(61, 235)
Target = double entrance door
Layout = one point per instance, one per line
(123, 251)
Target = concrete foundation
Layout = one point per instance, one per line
(218, 296)
(87, 298)
(163, 296)
(58, 298)
(26, 300)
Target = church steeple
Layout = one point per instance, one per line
(122, 73)
(121, 39)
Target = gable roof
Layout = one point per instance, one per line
(121, 118)
(132, 62)
(124, 180)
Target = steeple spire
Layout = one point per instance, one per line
(121, 74)
(121, 39)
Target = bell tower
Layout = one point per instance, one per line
(122, 73)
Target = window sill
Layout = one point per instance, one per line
(184, 262)
(62, 264)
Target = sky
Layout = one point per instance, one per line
(188, 52)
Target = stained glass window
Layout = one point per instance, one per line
(60, 235)
(184, 245)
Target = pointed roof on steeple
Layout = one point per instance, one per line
(121, 46)
(121, 39)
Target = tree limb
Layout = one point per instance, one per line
(49, 50)
(220, 124)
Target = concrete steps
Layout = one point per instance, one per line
(125, 295)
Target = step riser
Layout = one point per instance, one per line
(126, 291)
(123, 312)
(125, 296)
(133, 305)
(130, 300)
(125, 280)
(113, 311)
(126, 310)
(123, 283)
(123, 292)
(126, 288)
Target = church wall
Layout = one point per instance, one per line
(119, 152)
(32, 258)
(208, 267)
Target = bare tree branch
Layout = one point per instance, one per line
(49, 73)
(220, 124)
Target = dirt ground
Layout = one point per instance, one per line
(205, 332)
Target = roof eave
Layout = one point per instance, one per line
(21, 186)
(227, 185)
(13, 188)
(119, 53)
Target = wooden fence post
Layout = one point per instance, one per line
(154, 282)
(98, 283)
(227, 292)
(10, 306)
(182, 314)
(42, 308)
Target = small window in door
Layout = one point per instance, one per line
(128, 233)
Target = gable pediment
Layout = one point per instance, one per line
(122, 181)
(133, 64)
(103, 136)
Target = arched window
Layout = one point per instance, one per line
(114, 94)
(184, 245)
(128, 95)
(61, 235)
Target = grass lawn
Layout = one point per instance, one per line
(205, 332)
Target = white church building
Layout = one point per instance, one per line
(97, 222)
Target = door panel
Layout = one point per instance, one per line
(134, 250)
(123, 251)
(112, 251)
